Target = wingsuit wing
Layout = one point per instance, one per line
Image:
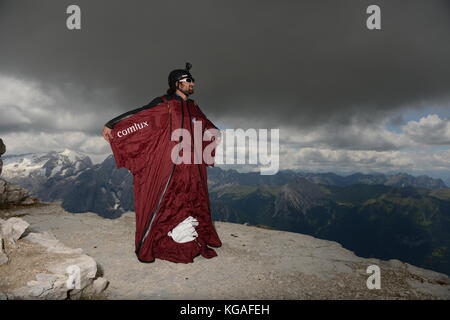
(135, 135)
(141, 143)
(111, 123)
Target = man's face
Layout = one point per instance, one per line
(185, 86)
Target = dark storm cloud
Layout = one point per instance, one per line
(295, 63)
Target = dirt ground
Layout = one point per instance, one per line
(253, 263)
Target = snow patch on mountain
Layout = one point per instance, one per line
(55, 163)
(73, 156)
(24, 165)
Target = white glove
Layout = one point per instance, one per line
(184, 231)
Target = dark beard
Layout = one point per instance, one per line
(188, 92)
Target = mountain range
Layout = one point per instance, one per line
(375, 215)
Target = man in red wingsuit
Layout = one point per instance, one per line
(165, 193)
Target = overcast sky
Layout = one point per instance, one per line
(345, 98)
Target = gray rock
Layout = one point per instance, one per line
(2, 151)
(68, 273)
(61, 282)
(3, 256)
(13, 228)
(11, 193)
(37, 288)
(76, 294)
(99, 285)
(53, 245)
(2, 147)
(28, 201)
(46, 277)
(87, 268)
(49, 289)
(43, 286)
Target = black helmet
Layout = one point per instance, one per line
(178, 74)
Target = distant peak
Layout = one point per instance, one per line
(67, 151)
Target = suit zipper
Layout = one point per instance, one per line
(165, 188)
(157, 208)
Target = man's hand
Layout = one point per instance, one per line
(107, 134)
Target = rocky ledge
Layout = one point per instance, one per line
(36, 265)
(13, 195)
(253, 263)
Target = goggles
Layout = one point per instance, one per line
(189, 80)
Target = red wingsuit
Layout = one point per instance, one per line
(165, 193)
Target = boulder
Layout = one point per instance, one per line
(61, 272)
(13, 228)
(12, 194)
(2, 151)
(99, 285)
